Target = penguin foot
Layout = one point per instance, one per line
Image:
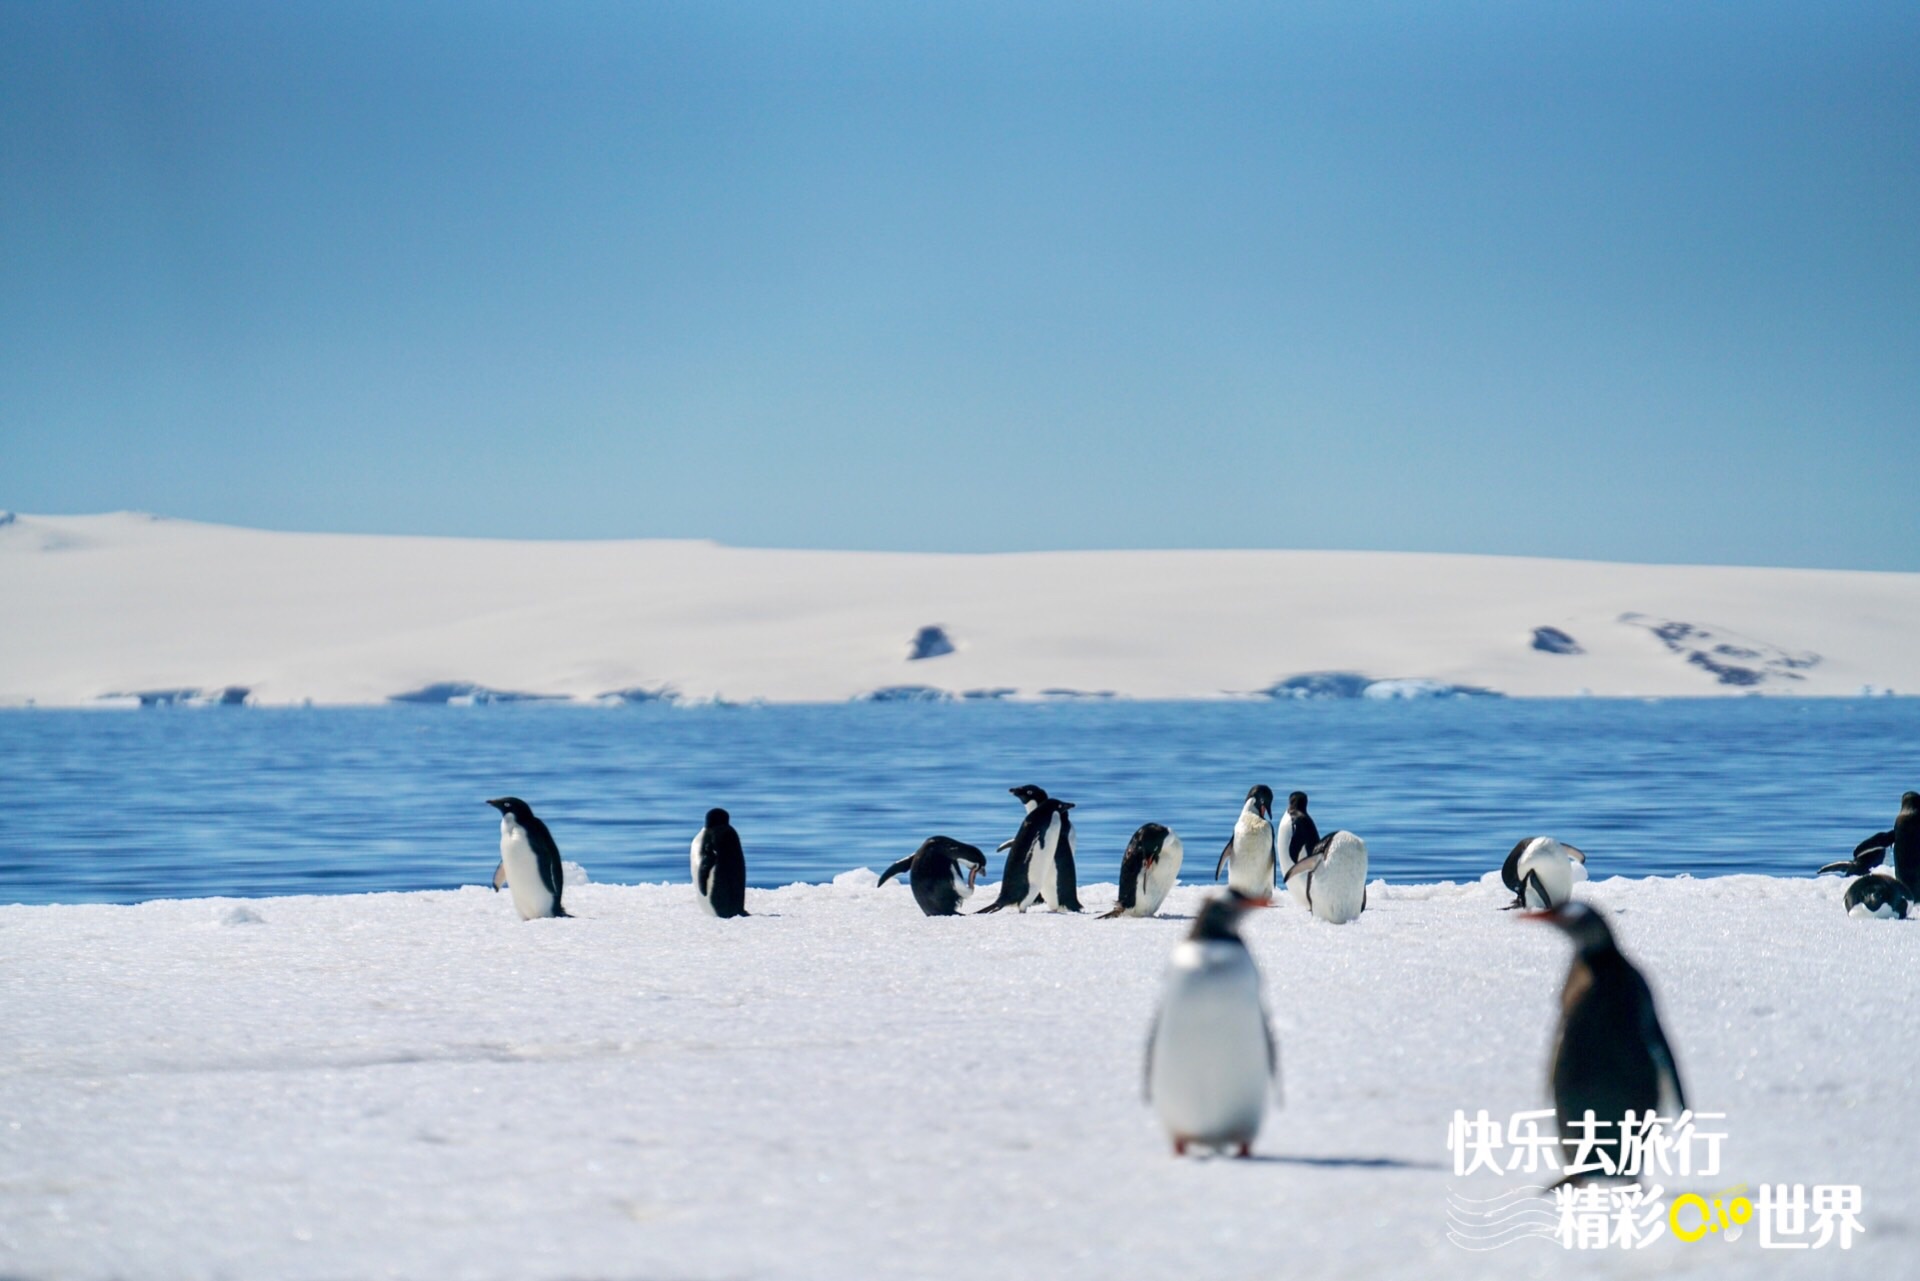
(1179, 1146)
(1244, 1153)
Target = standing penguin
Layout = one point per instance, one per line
(1248, 853)
(1210, 1054)
(1298, 833)
(1331, 882)
(529, 860)
(1040, 856)
(1903, 839)
(720, 867)
(1148, 870)
(1610, 1055)
(942, 872)
(1539, 871)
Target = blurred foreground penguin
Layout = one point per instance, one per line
(1331, 882)
(1903, 839)
(1147, 871)
(942, 872)
(1211, 1061)
(1610, 1056)
(529, 860)
(1539, 871)
(1248, 854)
(1039, 857)
(720, 867)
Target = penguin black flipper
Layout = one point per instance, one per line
(1132, 864)
(547, 857)
(898, 869)
(1879, 843)
(1007, 844)
(1510, 870)
(703, 879)
(499, 876)
(1066, 887)
(1224, 851)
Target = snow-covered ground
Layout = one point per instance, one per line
(126, 604)
(421, 1085)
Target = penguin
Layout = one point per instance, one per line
(720, 867)
(1610, 1055)
(1211, 1060)
(1903, 840)
(1297, 835)
(942, 872)
(1877, 896)
(1539, 871)
(1039, 857)
(529, 861)
(1331, 882)
(1248, 853)
(1148, 870)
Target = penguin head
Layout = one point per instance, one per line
(970, 858)
(718, 818)
(1581, 923)
(512, 806)
(1297, 802)
(1219, 918)
(1260, 796)
(1028, 794)
(1909, 803)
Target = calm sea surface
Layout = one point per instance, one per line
(123, 806)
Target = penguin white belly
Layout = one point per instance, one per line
(1884, 912)
(1283, 845)
(1153, 887)
(694, 861)
(1552, 872)
(1209, 1059)
(1043, 873)
(1339, 885)
(530, 895)
(961, 889)
(1250, 870)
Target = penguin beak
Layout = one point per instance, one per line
(499, 805)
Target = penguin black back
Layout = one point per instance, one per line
(1142, 848)
(721, 876)
(935, 872)
(1305, 834)
(1611, 1055)
(1878, 895)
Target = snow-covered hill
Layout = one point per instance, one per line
(126, 605)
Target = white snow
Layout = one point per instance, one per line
(423, 1085)
(127, 604)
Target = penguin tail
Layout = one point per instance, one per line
(988, 910)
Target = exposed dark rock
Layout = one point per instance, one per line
(998, 691)
(443, 692)
(7, 518)
(161, 697)
(231, 696)
(1334, 685)
(1551, 640)
(1058, 692)
(906, 694)
(641, 694)
(929, 642)
(1710, 648)
(1320, 685)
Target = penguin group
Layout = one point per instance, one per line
(1212, 1063)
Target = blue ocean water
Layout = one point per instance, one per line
(124, 806)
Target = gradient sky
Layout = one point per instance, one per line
(1618, 281)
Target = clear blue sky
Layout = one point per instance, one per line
(1613, 280)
